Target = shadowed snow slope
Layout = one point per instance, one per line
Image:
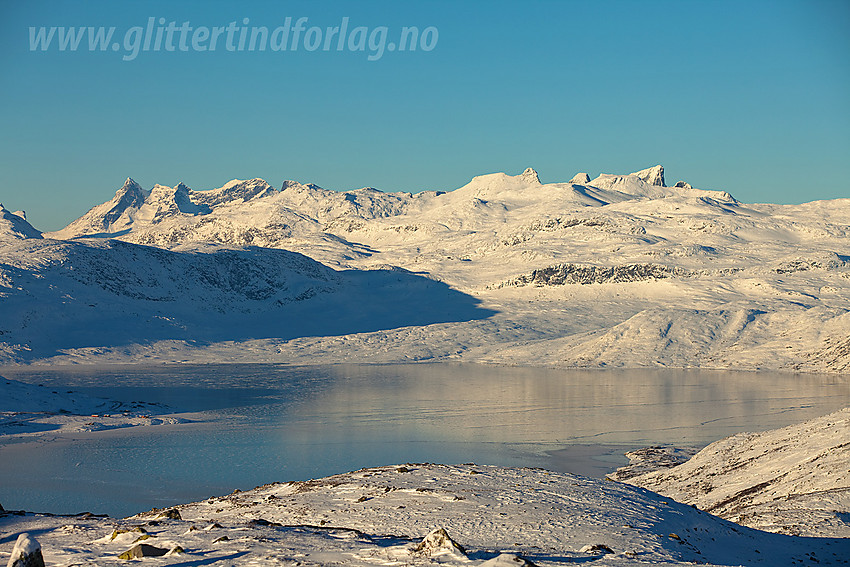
(792, 480)
(619, 270)
(15, 226)
(107, 293)
(424, 515)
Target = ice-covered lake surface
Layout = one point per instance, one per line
(257, 423)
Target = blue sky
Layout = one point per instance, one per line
(748, 97)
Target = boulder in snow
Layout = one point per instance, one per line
(508, 560)
(26, 553)
(596, 548)
(438, 542)
(142, 550)
(170, 514)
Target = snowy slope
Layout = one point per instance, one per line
(15, 226)
(619, 270)
(794, 480)
(57, 295)
(393, 516)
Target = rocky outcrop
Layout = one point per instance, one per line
(565, 274)
(530, 176)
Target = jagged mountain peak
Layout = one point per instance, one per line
(652, 175)
(130, 183)
(253, 203)
(131, 188)
(530, 175)
(15, 225)
(235, 191)
(298, 186)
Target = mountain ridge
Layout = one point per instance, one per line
(619, 270)
(126, 207)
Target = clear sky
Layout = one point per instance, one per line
(752, 97)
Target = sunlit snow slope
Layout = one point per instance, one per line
(794, 480)
(425, 514)
(619, 270)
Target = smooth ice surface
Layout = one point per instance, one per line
(251, 424)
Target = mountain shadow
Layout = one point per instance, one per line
(61, 295)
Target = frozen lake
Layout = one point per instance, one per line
(261, 423)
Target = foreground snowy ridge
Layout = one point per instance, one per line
(619, 270)
(794, 480)
(421, 514)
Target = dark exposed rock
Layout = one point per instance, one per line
(170, 514)
(596, 548)
(564, 274)
(143, 550)
(260, 522)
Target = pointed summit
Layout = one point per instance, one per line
(580, 179)
(652, 175)
(530, 176)
(129, 196)
(130, 184)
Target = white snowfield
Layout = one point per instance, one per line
(616, 271)
(794, 480)
(424, 514)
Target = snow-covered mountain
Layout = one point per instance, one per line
(618, 270)
(15, 225)
(57, 295)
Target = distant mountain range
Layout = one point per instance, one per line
(619, 270)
